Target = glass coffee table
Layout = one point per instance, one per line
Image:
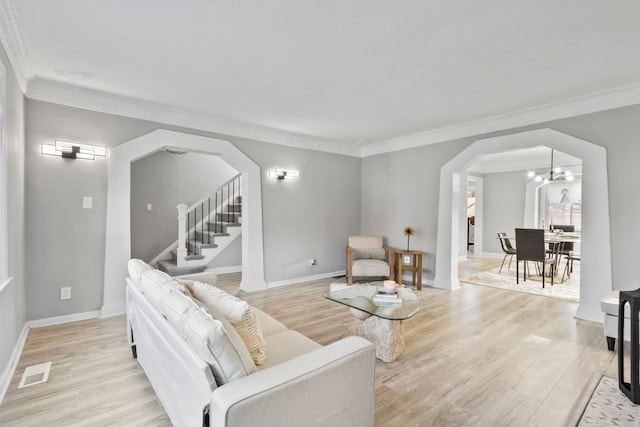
(380, 323)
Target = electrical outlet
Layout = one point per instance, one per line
(312, 262)
(65, 292)
(87, 203)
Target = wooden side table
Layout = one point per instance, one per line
(409, 261)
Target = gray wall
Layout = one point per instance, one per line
(504, 195)
(165, 180)
(310, 217)
(306, 218)
(334, 197)
(402, 188)
(13, 297)
(619, 132)
(66, 243)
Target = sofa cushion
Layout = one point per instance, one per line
(155, 285)
(363, 242)
(370, 267)
(286, 345)
(268, 324)
(369, 253)
(136, 267)
(176, 308)
(208, 337)
(238, 312)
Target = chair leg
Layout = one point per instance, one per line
(517, 271)
(503, 259)
(510, 259)
(566, 271)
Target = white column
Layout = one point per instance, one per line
(182, 235)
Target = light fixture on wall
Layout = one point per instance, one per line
(283, 174)
(73, 150)
(554, 174)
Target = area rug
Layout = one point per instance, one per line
(608, 406)
(567, 290)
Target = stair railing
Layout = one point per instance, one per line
(207, 215)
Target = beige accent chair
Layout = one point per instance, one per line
(368, 257)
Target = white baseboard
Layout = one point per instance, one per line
(113, 310)
(306, 279)
(58, 320)
(5, 378)
(591, 315)
(224, 270)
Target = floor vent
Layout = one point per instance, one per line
(36, 374)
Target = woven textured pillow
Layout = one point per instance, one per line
(238, 312)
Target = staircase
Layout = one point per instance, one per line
(204, 230)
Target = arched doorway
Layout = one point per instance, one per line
(118, 233)
(596, 246)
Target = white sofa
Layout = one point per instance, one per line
(203, 374)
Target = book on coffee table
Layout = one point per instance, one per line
(387, 297)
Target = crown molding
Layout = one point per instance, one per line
(90, 99)
(600, 101)
(11, 39)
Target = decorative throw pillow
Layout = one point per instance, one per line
(210, 340)
(236, 311)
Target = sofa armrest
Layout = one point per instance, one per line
(333, 385)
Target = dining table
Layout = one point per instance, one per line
(557, 239)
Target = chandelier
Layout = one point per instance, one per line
(554, 174)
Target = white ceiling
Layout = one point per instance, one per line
(349, 72)
(535, 158)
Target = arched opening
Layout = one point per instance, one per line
(595, 248)
(118, 233)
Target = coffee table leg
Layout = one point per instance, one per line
(384, 333)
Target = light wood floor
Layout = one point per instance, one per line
(478, 356)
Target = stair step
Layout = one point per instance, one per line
(195, 254)
(172, 269)
(196, 248)
(211, 233)
(228, 216)
(234, 208)
(220, 227)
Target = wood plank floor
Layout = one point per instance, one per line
(478, 356)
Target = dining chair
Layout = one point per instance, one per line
(530, 247)
(507, 248)
(568, 267)
(567, 248)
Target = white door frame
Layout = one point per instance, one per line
(595, 268)
(118, 232)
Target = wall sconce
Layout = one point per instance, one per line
(284, 174)
(73, 150)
